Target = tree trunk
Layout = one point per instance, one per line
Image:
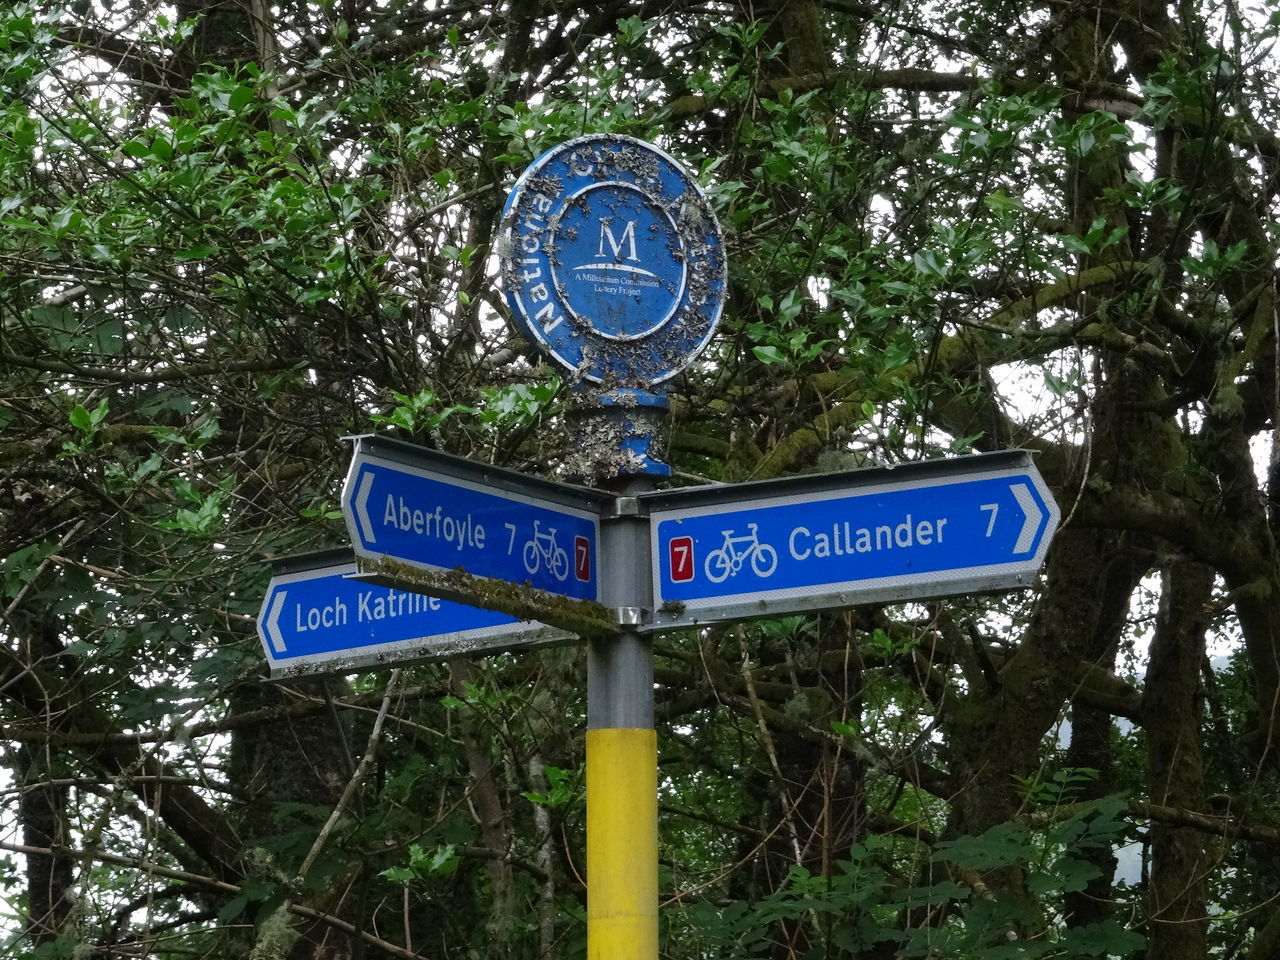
(42, 812)
(486, 803)
(1090, 748)
(1171, 707)
(996, 735)
(281, 769)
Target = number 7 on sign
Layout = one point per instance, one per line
(582, 558)
(680, 557)
(991, 521)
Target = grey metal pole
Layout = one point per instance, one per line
(620, 668)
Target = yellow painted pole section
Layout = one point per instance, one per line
(622, 844)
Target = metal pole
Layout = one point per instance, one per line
(622, 751)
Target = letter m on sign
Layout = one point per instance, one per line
(628, 239)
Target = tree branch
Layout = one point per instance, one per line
(302, 707)
(1227, 827)
(209, 883)
(162, 374)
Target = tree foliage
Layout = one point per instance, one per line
(233, 233)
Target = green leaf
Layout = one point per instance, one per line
(631, 31)
(1001, 202)
(313, 295)
(1105, 939)
(939, 892)
(1002, 845)
(562, 788)
(233, 908)
(1068, 875)
(80, 418)
(199, 251)
(20, 567)
(398, 875)
(928, 262)
(769, 354)
(88, 421)
(443, 861)
(240, 98)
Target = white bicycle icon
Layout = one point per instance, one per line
(544, 549)
(736, 551)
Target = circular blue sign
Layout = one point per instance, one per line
(612, 261)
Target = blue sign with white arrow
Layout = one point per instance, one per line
(813, 543)
(443, 513)
(314, 618)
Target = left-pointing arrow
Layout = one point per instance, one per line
(362, 506)
(273, 622)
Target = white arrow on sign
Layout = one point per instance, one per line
(273, 622)
(1026, 538)
(362, 506)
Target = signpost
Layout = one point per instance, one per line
(926, 529)
(613, 266)
(316, 618)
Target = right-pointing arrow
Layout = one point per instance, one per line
(273, 623)
(362, 507)
(1032, 513)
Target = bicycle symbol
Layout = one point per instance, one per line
(544, 549)
(728, 560)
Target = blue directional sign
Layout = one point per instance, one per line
(811, 543)
(443, 513)
(612, 260)
(316, 619)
